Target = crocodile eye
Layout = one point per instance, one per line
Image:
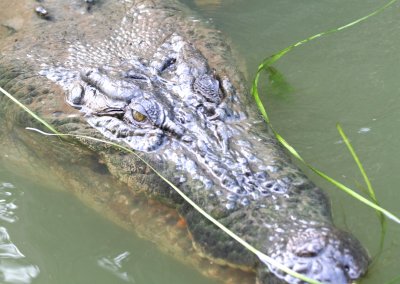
(146, 113)
(138, 116)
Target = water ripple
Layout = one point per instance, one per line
(17, 274)
(14, 268)
(7, 248)
(114, 265)
(7, 205)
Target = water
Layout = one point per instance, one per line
(47, 236)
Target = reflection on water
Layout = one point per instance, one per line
(13, 265)
(7, 248)
(57, 239)
(114, 265)
(16, 273)
(7, 205)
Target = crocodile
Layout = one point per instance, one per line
(155, 77)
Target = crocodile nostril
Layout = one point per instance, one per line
(131, 74)
(167, 63)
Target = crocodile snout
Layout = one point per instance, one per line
(326, 254)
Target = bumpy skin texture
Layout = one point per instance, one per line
(150, 75)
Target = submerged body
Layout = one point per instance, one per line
(149, 75)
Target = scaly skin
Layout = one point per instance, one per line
(149, 75)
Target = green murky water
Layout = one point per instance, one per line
(47, 236)
(351, 77)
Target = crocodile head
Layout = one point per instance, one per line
(167, 102)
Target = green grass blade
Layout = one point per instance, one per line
(346, 189)
(21, 105)
(336, 183)
(256, 96)
(289, 147)
(263, 257)
(267, 62)
(371, 191)
(356, 195)
(357, 160)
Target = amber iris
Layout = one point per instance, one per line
(138, 116)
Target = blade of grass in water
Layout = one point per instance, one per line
(334, 182)
(357, 160)
(267, 63)
(263, 257)
(371, 191)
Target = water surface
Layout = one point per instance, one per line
(48, 236)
